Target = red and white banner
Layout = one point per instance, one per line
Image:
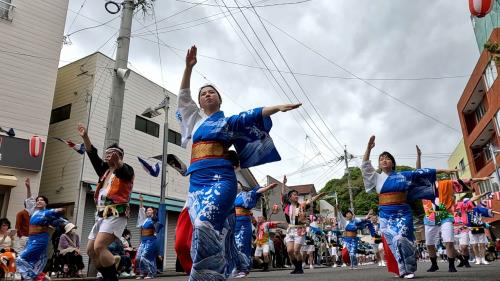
(480, 8)
(36, 146)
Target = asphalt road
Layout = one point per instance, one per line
(373, 273)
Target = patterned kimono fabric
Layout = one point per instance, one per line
(33, 259)
(395, 214)
(148, 249)
(244, 203)
(213, 183)
(350, 238)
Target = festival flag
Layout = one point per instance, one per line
(80, 148)
(153, 171)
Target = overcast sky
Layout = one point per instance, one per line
(396, 41)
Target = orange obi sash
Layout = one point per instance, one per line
(348, 233)
(207, 150)
(392, 198)
(240, 212)
(147, 232)
(37, 229)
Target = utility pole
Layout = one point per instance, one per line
(348, 178)
(121, 74)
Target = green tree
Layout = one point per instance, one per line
(363, 202)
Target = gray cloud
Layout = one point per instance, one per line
(373, 39)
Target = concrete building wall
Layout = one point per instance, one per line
(458, 160)
(29, 52)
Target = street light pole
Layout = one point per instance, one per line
(164, 173)
(162, 211)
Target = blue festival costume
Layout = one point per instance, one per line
(147, 252)
(244, 203)
(395, 214)
(213, 184)
(32, 260)
(351, 238)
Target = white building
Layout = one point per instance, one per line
(30, 45)
(82, 95)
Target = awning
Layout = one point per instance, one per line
(8, 180)
(172, 204)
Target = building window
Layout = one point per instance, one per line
(6, 9)
(174, 137)
(147, 126)
(490, 74)
(461, 164)
(61, 113)
(487, 152)
(484, 186)
(479, 112)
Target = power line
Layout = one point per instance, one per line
(171, 16)
(294, 77)
(92, 27)
(77, 14)
(246, 7)
(195, 20)
(288, 85)
(159, 49)
(361, 79)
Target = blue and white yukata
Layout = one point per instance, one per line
(351, 242)
(213, 183)
(148, 249)
(32, 260)
(396, 219)
(245, 201)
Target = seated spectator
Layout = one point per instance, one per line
(7, 253)
(69, 249)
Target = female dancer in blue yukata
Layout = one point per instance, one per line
(148, 249)
(395, 189)
(351, 225)
(213, 185)
(33, 259)
(245, 201)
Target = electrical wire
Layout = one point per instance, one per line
(246, 7)
(77, 14)
(294, 77)
(327, 143)
(363, 80)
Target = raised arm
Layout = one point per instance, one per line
(100, 166)
(267, 187)
(367, 170)
(30, 201)
(141, 216)
(418, 165)
(28, 187)
(369, 147)
(190, 63)
(85, 137)
(270, 110)
(317, 197)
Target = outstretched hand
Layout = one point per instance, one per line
(284, 179)
(191, 57)
(371, 143)
(419, 152)
(82, 131)
(27, 183)
(288, 107)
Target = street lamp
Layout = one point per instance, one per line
(162, 216)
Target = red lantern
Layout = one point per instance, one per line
(480, 8)
(36, 146)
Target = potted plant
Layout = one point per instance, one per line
(494, 50)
